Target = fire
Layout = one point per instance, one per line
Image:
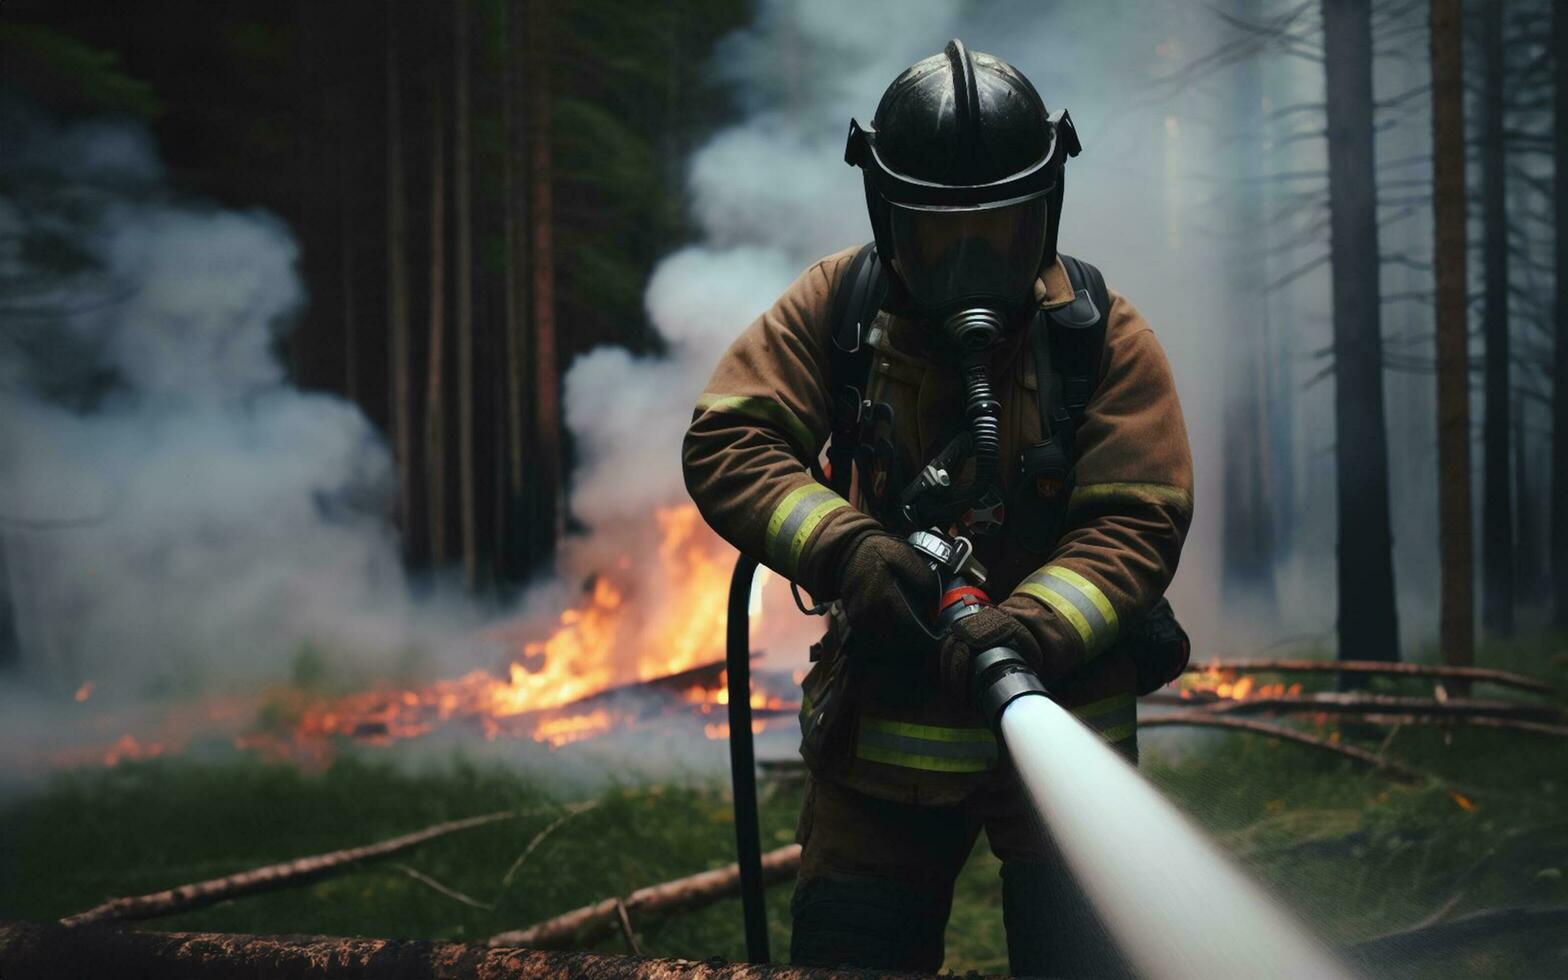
(130, 748)
(641, 649)
(1217, 682)
(557, 689)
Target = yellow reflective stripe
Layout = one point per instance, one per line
(929, 747)
(1062, 607)
(930, 763)
(1120, 733)
(793, 520)
(761, 410)
(1104, 706)
(1115, 718)
(1097, 494)
(931, 732)
(1077, 600)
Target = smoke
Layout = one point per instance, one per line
(771, 194)
(174, 513)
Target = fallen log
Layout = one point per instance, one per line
(1506, 724)
(591, 922)
(40, 951)
(299, 871)
(1503, 678)
(1437, 938)
(1201, 719)
(1352, 703)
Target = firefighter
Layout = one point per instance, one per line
(973, 380)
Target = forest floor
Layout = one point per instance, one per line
(1353, 852)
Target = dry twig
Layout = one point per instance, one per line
(287, 874)
(1204, 719)
(591, 922)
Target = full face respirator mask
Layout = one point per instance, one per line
(963, 177)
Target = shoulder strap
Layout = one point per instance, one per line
(1076, 337)
(857, 297)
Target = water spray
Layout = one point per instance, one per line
(1175, 904)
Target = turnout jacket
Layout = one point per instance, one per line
(762, 423)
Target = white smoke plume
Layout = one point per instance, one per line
(199, 519)
(174, 512)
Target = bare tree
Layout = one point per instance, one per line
(519, 410)
(1368, 620)
(548, 510)
(435, 405)
(462, 191)
(402, 414)
(1455, 546)
(1559, 559)
(1248, 535)
(1497, 523)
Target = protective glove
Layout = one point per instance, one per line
(992, 626)
(889, 594)
(1159, 647)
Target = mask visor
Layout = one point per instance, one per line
(950, 259)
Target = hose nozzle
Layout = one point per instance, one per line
(1001, 676)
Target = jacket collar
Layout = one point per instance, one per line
(1053, 288)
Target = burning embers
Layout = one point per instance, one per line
(1216, 683)
(631, 655)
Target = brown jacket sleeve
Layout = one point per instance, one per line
(758, 428)
(1130, 507)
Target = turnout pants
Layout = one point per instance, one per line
(876, 885)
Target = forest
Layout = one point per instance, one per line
(346, 348)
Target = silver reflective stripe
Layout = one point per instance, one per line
(1078, 601)
(793, 520)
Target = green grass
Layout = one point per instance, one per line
(1353, 852)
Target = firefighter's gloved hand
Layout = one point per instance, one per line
(992, 626)
(889, 595)
(1160, 648)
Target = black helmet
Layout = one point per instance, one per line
(963, 172)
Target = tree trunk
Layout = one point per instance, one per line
(1559, 560)
(346, 231)
(435, 408)
(1528, 557)
(397, 290)
(461, 189)
(1497, 522)
(1456, 616)
(519, 410)
(549, 507)
(10, 642)
(1368, 620)
(1248, 528)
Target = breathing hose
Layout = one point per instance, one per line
(974, 332)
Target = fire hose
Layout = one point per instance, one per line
(1000, 677)
(1149, 871)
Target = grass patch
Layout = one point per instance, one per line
(1354, 853)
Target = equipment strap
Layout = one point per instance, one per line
(856, 299)
(1067, 343)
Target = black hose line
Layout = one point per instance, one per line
(743, 762)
